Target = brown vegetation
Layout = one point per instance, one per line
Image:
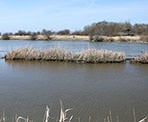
(144, 38)
(65, 117)
(95, 32)
(105, 28)
(64, 32)
(5, 36)
(59, 54)
(118, 39)
(141, 59)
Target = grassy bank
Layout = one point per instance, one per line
(59, 54)
(119, 39)
(140, 39)
(45, 37)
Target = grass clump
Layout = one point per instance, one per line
(64, 117)
(56, 54)
(100, 56)
(60, 54)
(26, 53)
(141, 59)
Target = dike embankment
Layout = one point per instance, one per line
(137, 39)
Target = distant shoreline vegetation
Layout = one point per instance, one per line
(99, 32)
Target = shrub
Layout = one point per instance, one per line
(64, 32)
(33, 36)
(144, 38)
(5, 36)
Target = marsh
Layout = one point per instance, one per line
(26, 87)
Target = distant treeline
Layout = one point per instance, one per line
(33, 35)
(115, 29)
(102, 28)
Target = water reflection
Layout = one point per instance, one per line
(90, 89)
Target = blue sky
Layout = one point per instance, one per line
(34, 15)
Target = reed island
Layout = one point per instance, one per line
(62, 55)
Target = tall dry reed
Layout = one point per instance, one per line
(26, 53)
(141, 59)
(60, 54)
(64, 118)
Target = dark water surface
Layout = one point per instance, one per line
(89, 89)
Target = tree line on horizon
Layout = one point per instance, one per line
(102, 28)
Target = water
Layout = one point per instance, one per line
(89, 89)
(131, 49)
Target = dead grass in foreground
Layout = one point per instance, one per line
(64, 117)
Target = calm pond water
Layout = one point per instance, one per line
(131, 49)
(89, 89)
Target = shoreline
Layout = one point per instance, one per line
(137, 39)
(51, 37)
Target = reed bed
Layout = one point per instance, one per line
(141, 59)
(24, 54)
(60, 54)
(63, 117)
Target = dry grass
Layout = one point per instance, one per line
(96, 56)
(59, 54)
(64, 118)
(141, 39)
(63, 114)
(141, 59)
(56, 54)
(144, 38)
(69, 37)
(118, 39)
(24, 54)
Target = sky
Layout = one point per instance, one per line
(35, 15)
